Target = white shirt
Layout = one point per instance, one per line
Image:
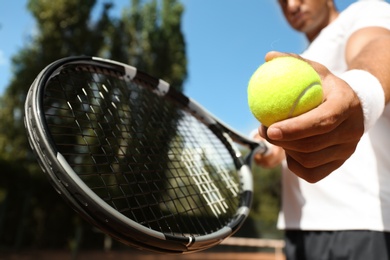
(357, 195)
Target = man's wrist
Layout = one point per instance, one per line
(370, 93)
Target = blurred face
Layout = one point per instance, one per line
(308, 16)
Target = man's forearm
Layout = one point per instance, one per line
(369, 50)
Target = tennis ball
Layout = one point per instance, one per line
(282, 88)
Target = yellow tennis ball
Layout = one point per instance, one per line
(282, 88)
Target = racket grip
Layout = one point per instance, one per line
(264, 148)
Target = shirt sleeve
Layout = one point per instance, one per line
(368, 13)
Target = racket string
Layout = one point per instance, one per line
(144, 156)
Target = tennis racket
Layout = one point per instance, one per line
(136, 158)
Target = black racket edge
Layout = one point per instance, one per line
(49, 162)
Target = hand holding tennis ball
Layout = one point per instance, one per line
(282, 88)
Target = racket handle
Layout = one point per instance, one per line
(264, 148)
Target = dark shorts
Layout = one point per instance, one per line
(337, 245)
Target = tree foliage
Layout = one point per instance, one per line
(148, 35)
(266, 202)
(157, 45)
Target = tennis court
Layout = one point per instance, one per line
(234, 248)
(100, 255)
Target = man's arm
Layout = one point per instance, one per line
(369, 49)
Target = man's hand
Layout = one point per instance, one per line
(321, 140)
(270, 160)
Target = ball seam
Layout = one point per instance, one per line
(316, 83)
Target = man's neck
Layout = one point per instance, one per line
(310, 36)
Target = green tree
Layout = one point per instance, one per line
(30, 210)
(266, 202)
(59, 32)
(149, 37)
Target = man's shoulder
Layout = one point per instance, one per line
(367, 7)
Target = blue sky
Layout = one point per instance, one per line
(226, 42)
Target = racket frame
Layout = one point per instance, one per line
(94, 209)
